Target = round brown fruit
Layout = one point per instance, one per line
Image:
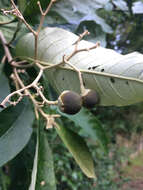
(69, 102)
(90, 98)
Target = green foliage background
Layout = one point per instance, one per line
(118, 25)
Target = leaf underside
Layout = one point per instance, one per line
(117, 78)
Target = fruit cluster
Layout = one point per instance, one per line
(70, 102)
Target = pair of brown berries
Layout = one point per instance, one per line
(70, 102)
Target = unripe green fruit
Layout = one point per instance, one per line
(69, 102)
(90, 98)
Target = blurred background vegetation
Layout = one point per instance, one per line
(117, 24)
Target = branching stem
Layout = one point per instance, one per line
(25, 90)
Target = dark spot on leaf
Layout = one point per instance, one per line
(94, 67)
(127, 82)
(102, 70)
(112, 80)
(89, 68)
(1, 106)
(63, 78)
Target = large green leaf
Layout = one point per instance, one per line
(117, 78)
(43, 177)
(90, 126)
(15, 130)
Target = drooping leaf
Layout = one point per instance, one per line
(15, 130)
(117, 78)
(90, 126)
(79, 150)
(43, 177)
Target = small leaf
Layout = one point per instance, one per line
(79, 150)
(43, 177)
(8, 30)
(15, 130)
